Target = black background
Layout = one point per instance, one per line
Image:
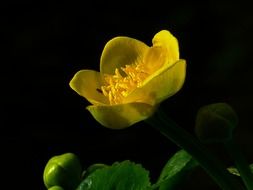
(45, 44)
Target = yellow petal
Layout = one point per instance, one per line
(121, 51)
(161, 85)
(166, 40)
(122, 115)
(87, 83)
(155, 58)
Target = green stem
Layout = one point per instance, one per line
(190, 144)
(240, 163)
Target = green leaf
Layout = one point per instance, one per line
(234, 171)
(125, 175)
(175, 170)
(92, 169)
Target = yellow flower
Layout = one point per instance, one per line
(133, 79)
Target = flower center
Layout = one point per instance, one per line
(123, 82)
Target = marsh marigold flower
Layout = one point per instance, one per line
(133, 79)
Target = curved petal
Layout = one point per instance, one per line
(166, 40)
(87, 83)
(161, 85)
(121, 51)
(122, 115)
(155, 59)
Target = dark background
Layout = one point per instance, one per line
(45, 44)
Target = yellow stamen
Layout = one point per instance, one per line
(130, 77)
(118, 87)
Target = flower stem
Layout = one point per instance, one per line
(240, 163)
(190, 144)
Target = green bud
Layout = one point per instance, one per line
(64, 171)
(215, 123)
(56, 188)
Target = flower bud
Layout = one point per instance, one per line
(64, 171)
(56, 188)
(215, 122)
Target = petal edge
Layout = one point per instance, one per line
(160, 86)
(87, 84)
(166, 40)
(121, 51)
(122, 115)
